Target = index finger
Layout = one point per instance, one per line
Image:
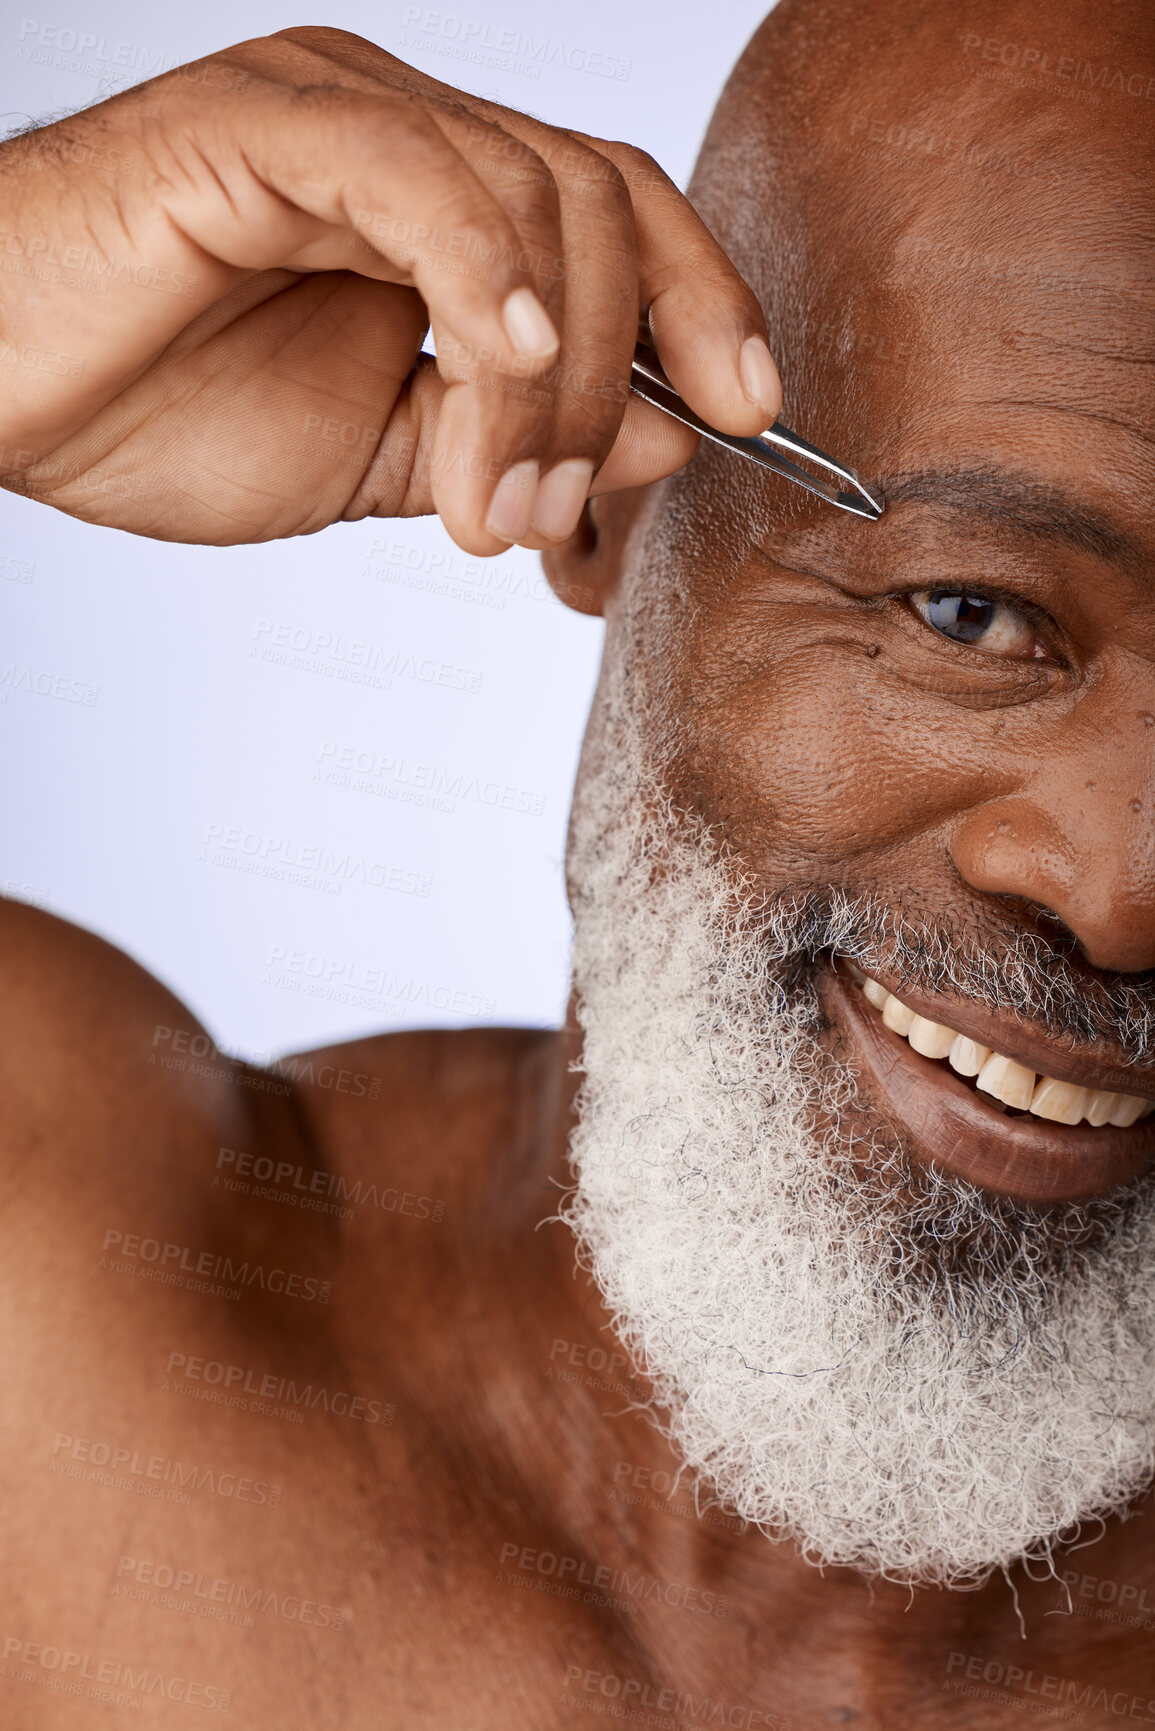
(706, 321)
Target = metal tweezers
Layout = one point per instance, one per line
(651, 384)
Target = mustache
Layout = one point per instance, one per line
(998, 965)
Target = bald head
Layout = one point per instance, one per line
(907, 186)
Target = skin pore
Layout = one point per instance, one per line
(956, 273)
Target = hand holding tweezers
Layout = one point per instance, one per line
(768, 448)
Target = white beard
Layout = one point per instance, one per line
(927, 1389)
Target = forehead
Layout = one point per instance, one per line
(1003, 302)
(958, 277)
(1010, 334)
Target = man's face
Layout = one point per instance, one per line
(953, 710)
(925, 746)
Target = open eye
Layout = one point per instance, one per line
(981, 622)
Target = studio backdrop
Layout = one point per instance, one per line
(318, 787)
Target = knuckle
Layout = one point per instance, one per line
(501, 156)
(503, 385)
(291, 53)
(586, 169)
(534, 207)
(323, 39)
(591, 403)
(727, 281)
(188, 89)
(367, 124)
(639, 171)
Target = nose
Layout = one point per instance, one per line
(1078, 838)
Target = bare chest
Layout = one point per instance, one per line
(235, 1510)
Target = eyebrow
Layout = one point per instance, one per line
(1023, 502)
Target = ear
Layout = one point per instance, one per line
(585, 571)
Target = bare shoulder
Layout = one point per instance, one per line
(92, 1111)
(446, 1104)
(114, 1093)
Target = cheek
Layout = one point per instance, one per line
(819, 757)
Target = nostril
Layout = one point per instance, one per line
(1057, 927)
(1052, 924)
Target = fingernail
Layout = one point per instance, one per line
(560, 498)
(512, 502)
(527, 324)
(759, 376)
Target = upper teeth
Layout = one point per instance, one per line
(1012, 1084)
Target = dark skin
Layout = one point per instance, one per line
(807, 709)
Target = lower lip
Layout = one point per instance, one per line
(944, 1121)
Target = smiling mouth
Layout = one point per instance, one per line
(1007, 1083)
(987, 1117)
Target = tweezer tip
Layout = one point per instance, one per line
(868, 502)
